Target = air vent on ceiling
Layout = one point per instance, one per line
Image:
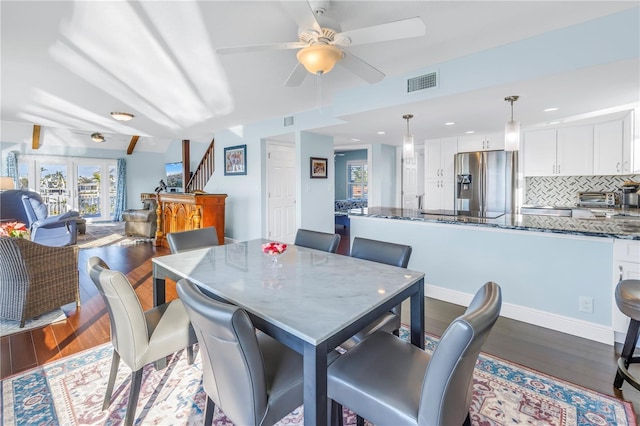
(288, 121)
(422, 82)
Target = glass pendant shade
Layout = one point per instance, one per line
(319, 59)
(512, 136)
(408, 146)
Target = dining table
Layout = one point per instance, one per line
(309, 300)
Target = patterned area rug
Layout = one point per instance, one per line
(70, 392)
(100, 234)
(8, 327)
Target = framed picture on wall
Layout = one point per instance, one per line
(318, 168)
(235, 160)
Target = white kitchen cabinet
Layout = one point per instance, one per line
(566, 151)
(540, 153)
(473, 143)
(439, 173)
(612, 148)
(575, 151)
(626, 266)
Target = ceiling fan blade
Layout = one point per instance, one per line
(302, 14)
(260, 47)
(297, 76)
(360, 68)
(405, 28)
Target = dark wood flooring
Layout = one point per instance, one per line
(580, 361)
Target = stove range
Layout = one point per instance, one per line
(484, 215)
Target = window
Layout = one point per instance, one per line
(357, 178)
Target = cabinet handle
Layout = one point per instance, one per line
(625, 166)
(487, 144)
(554, 169)
(618, 166)
(558, 168)
(620, 266)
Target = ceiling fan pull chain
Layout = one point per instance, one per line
(319, 92)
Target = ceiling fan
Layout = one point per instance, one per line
(321, 41)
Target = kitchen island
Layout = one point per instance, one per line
(547, 266)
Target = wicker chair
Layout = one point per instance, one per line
(36, 279)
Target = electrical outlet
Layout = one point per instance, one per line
(585, 304)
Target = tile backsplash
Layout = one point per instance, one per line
(562, 190)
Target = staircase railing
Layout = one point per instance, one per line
(203, 172)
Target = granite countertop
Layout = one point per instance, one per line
(623, 227)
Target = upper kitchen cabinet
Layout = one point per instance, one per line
(612, 148)
(472, 143)
(575, 151)
(439, 170)
(563, 152)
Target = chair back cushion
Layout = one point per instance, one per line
(317, 240)
(129, 332)
(233, 369)
(12, 206)
(192, 239)
(448, 385)
(381, 251)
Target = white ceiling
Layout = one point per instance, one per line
(66, 65)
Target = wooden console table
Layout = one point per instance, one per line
(182, 212)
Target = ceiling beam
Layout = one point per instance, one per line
(132, 144)
(35, 141)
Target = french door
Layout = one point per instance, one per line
(87, 185)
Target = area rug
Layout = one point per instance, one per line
(101, 234)
(8, 327)
(70, 392)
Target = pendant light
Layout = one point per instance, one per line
(512, 129)
(408, 146)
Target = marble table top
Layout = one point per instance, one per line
(308, 293)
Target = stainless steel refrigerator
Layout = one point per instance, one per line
(485, 182)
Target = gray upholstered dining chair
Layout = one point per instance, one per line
(138, 337)
(390, 254)
(253, 378)
(192, 239)
(415, 388)
(317, 240)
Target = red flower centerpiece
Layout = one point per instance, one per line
(274, 250)
(14, 229)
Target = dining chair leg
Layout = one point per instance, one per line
(359, 421)
(209, 408)
(136, 381)
(467, 420)
(336, 414)
(115, 362)
(190, 354)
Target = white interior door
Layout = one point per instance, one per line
(281, 196)
(410, 182)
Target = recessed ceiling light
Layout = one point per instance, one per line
(97, 137)
(449, 123)
(470, 132)
(355, 140)
(550, 109)
(121, 116)
(382, 132)
(553, 122)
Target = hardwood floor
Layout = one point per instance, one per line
(580, 361)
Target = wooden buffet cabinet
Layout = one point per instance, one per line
(182, 212)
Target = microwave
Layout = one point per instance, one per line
(597, 199)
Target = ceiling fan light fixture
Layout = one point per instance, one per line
(97, 137)
(319, 58)
(512, 129)
(122, 116)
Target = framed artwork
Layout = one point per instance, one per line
(235, 160)
(318, 168)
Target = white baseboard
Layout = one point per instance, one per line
(573, 326)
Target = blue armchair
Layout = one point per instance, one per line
(27, 207)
